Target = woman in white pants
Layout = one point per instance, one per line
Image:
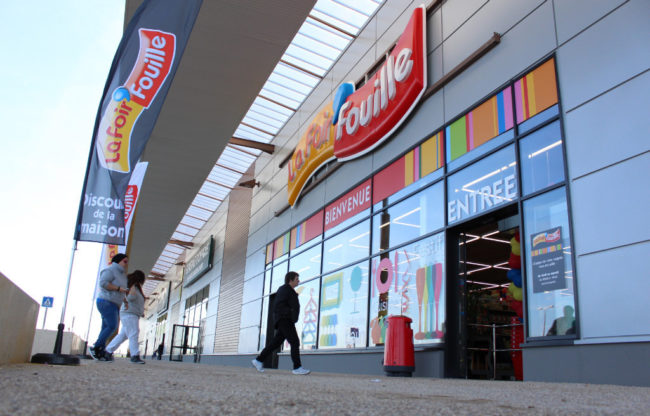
(130, 313)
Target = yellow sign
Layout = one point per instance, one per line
(315, 148)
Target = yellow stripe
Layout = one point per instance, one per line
(532, 106)
(408, 168)
(428, 155)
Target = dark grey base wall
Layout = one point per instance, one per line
(624, 364)
(428, 363)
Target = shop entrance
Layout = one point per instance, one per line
(485, 308)
(184, 342)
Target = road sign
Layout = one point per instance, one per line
(47, 302)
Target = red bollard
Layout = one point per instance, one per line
(399, 356)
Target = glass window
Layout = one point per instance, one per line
(344, 308)
(267, 280)
(414, 217)
(307, 263)
(264, 323)
(480, 151)
(308, 318)
(408, 190)
(549, 269)
(347, 223)
(279, 271)
(347, 247)
(482, 186)
(542, 164)
(253, 288)
(250, 313)
(410, 281)
(539, 119)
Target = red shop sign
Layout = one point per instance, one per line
(372, 113)
(348, 205)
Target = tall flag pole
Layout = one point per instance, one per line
(138, 82)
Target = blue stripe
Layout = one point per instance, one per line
(501, 111)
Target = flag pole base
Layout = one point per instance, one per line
(55, 359)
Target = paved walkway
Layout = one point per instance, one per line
(170, 388)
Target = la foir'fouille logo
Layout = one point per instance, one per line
(365, 118)
(315, 148)
(129, 101)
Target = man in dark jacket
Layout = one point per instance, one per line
(285, 315)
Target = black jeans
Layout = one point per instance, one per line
(285, 330)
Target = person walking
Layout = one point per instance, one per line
(285, 315)
(158, 351)
(111, 291)
(130, 313)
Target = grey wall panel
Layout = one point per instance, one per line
(319, 97)
(255, 263)
(530, 40)
(625, 364)
(213, 299)
(609, 129)
(434, 66)
(260, 163)
(610, 207)
(389, 12)
(281, 224)
(455, 13)
(434, 30)
(347, 176)
(253, 289)
(392, 33)
(496, 16)
(575, 15)
(263, 193)
(307, 205)
(258, 239)
(613, 288)
(359, 56)
(608, 53)
(260, 218)
(427, 118)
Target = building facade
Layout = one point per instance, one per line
(503, 211)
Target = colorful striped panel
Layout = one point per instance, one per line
(269, 253)
(480, 125)
(281, 246)
(536, 91)
(307, 230)
(432, 155)
(408, 169)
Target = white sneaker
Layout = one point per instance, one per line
(259, 366)
(301, 371)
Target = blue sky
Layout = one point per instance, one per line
(55, 59)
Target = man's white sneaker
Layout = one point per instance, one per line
(259, 366)
(301, 371)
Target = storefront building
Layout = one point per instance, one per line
(484, 175)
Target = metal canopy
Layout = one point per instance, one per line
(247, 68)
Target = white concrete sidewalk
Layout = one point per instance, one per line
(170, 388)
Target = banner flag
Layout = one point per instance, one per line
(130, 202)
(139, 79)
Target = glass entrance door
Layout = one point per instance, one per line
(184, 341)
(485, 299)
